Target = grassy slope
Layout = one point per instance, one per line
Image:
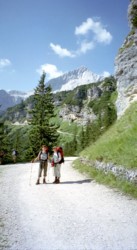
(119, 143)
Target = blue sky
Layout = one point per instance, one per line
(58, 36)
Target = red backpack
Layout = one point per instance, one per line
(60, 150)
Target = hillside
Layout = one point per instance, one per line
(119, 143)
(112, 158)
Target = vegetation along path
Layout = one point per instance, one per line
(77, 214)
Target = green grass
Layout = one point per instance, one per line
(119, 143)
(69, 127)
(68, 132)
(108, 180)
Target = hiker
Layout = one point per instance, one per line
(43, 157)
(56, 161)
(14, 155)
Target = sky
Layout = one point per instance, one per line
(58, 36)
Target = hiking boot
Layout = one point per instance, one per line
(58, 180)
(55, 180)
(37, 182)
(44, 181)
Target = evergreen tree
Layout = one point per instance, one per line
(70, 148)
(42, 130)
(82, 140)
(1, 135)
(5, 143)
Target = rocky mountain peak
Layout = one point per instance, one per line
(72, 79)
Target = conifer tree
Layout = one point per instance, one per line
(42, 130)
(5, 144)
(82, 140)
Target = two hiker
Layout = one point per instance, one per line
(56, 160)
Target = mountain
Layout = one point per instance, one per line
(68, 81)
(72, 79)
(11, 98)
(7, 100)
(19, 94)
(80, 105)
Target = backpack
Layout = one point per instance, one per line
(60, 150)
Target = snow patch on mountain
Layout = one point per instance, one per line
(72, 79)
(85, 77)
(20, 95)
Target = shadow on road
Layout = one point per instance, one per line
(76, 182)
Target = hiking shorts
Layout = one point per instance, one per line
(43, 167)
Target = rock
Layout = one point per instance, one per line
(126, 65)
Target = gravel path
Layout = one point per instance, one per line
(77, 214)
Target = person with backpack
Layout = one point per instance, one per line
(42, 157)
(14, 155)
(57, 159)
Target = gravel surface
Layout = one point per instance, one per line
(77, 214)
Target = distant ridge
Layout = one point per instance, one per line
(67, 81)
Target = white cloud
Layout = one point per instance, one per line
(62, 52)
(85, 46)
(50, 70)
(4, 63)
(101, 35)
(84, 27)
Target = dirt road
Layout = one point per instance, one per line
(77, 214)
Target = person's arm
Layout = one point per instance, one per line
(37, 158)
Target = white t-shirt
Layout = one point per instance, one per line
(57, 157)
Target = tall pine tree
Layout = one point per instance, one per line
(42, 130)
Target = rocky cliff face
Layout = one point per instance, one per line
(126, 64)
(80, 109)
